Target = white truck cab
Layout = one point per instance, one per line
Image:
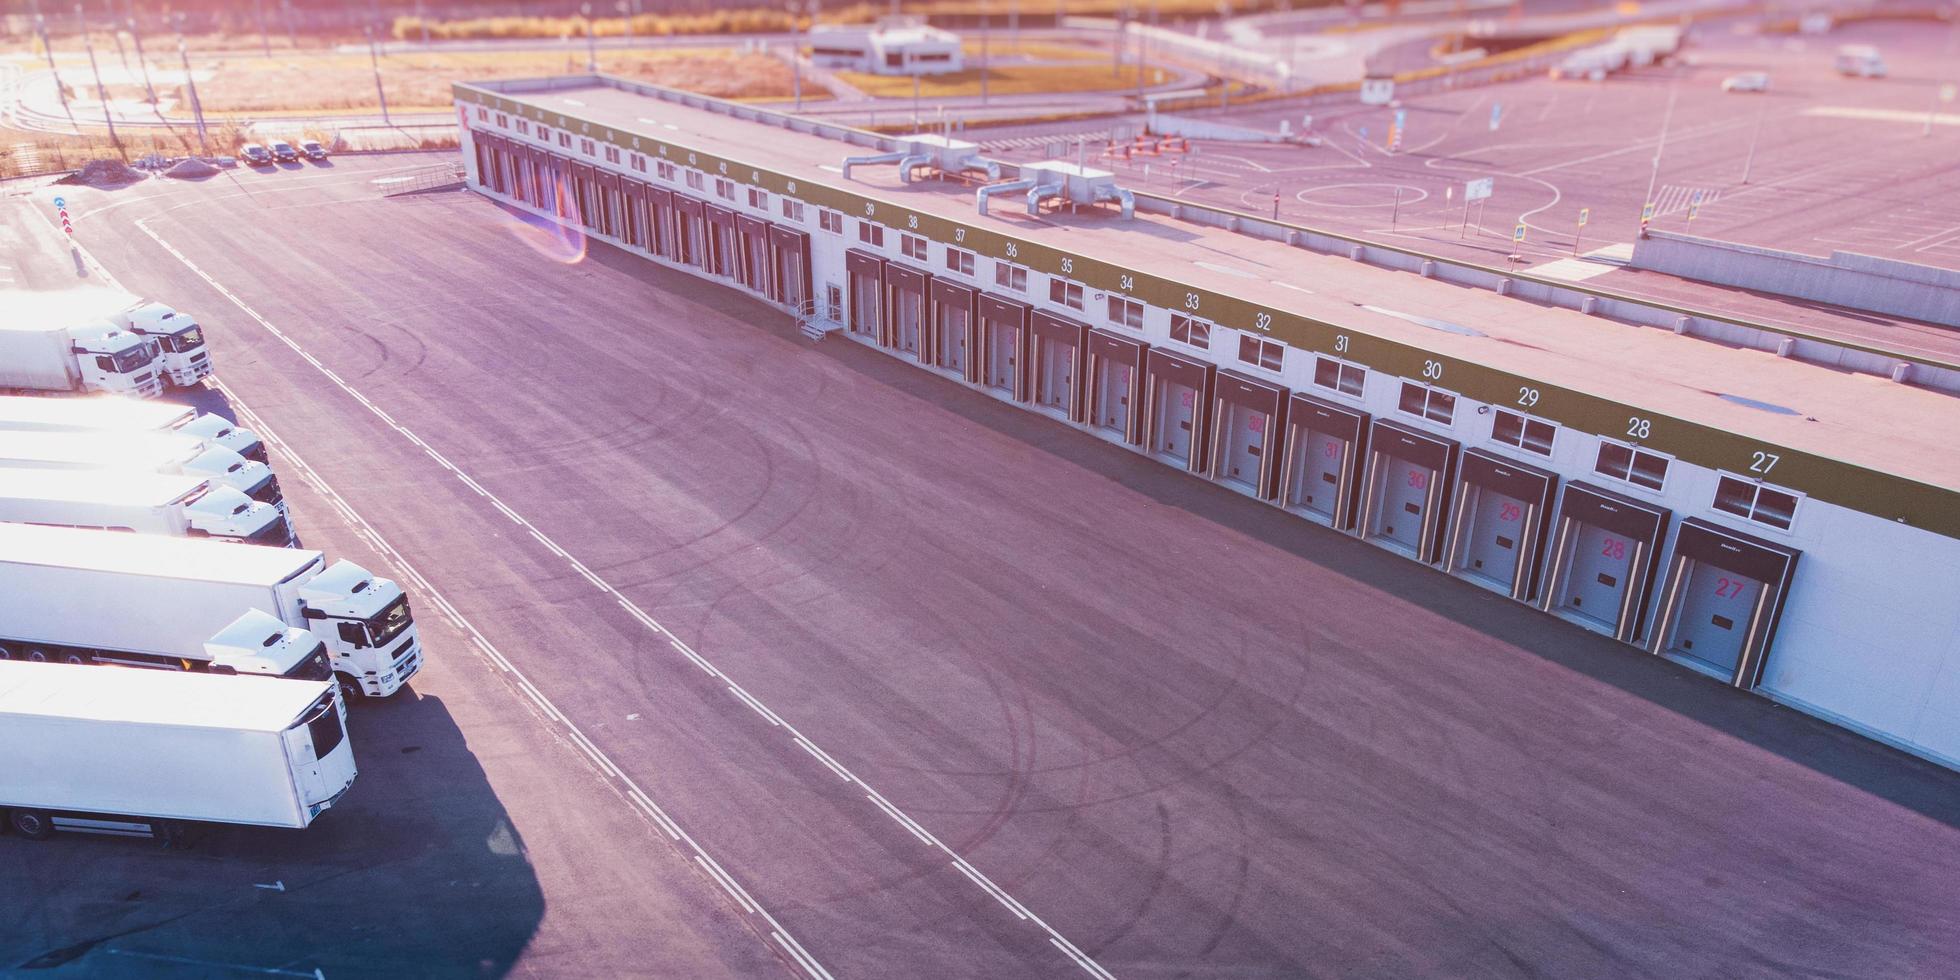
(227, 514)
(367, 625)
(115, 361)
(180, 341)
(258, 643)
(156, 452)
(216, 430)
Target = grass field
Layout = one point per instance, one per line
(244, 84)
(1004, 80)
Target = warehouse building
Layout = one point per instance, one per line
(890, 47)
(1778, 526)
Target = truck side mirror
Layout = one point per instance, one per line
(308, 612)
(223, 669)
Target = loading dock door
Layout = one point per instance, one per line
(585, 196)
(1723, 597)
(609, 203)
(1503, 511)
(1115, 408)
(564, 203)
(633, 216)
(691, 221)
(662, 239)
(1248, 416)
(909, 291)
(752, 266)
(535, 169)
(1060, 351)
(955, 325)
(1603, 556)
(1321, 478)
(1177, 397)
(1004, 346)
(791, 282)
(1406, 490)
(867, 313)
(723, 248)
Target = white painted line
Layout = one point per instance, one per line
(215, 966)
(819, 755)
(876, 798)
(810, 966)
(988, 887)
(728, 884)
(1882, 115)
(766, 714)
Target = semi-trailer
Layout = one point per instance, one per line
(110, 413)
(102, 590)
(155, 452)
(139, 753)
(147, 503)
(47, 349)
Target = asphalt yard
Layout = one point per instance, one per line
(929, 686)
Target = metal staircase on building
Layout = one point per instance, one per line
(811, 321)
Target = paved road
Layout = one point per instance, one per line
(1190, 733)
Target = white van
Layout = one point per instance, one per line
(1860, 61)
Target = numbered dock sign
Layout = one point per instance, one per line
(1584, 214)
(1646, 215)
(1517, 234)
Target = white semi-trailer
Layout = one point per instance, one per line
(151, 596)
(147, 503)
(109, 413)
(154, 452)
(140, 752)
(60, 353)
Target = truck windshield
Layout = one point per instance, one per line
(314, 667)
(389, 623)
(134, 359)
(323, 724)
(184, 341)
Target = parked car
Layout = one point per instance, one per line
(1860, 61)
(283, 152)
(1755, 81)
(255, 155)
(312, 149)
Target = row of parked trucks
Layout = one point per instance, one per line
(144, 534)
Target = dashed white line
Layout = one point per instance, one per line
(1061, 942)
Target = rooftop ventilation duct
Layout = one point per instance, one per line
(940, 153)
(1072, 183)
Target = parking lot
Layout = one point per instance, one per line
(1819, 162)
(822, 610)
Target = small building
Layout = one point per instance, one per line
(898, 46)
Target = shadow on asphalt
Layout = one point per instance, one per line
(1899, 777)
(417, 872)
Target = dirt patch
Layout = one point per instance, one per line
(103, 173)
(190, 168)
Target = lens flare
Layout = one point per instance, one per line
(559, 241)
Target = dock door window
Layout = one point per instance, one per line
(1635, 466)
(1010, 276)
(1258, 351)
(871, 234)
(1759, 502)
(1126, 312)
(1423, 401)
(1523, 431)
(1063, 291)
(1339, 376)
(1189, 330)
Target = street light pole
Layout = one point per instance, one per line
(986, 31)
(1750, 162)
(1666, 118)
(796, 53)
(1933, 103)
(197, 109)
(591, 40)
(265, 40)
(101, 91)
(137, 40)
(41, 25)
(626, 19)
(374, 57)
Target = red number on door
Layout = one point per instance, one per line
(1614, 548)
(1189, 399)
(1727, 588)
(1418, 479)
(1330, 450)
(1257, 423)
(1509, 512)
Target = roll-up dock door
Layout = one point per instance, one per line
(610, 204)
(724, 250)
(866, 317)
(1321, 475)
(662, 237)
(790, 252)
(1248, 420)
(633, 214)
(585, 196)
(1723, 596)
(1406, 490)
(1503, 515)
(536, 178)
(558, 174)
(1004, 346)
(1115, 405)
(691, 226)
(955, 330)
(1058, 355)
(752, 255)
(485, 173)
(1177, 408)
(910, 303)
(1604, 553)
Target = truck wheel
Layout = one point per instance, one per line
(74, 658)
(35, 655)
(350, 689)
(6, 653)
(31, 824)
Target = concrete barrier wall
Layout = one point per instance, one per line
(1861, 282)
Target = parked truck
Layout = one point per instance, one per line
(139, 753)
(155, 452)
(47, 349)
(182, 506)
(180, 341)
(111, 413)
(148, 597)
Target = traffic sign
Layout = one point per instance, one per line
(1496, 115)
(1949, 92)
(1584, 213)
(1517, 234)
(1477, 190)
(1646, 215)
(60, 202)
